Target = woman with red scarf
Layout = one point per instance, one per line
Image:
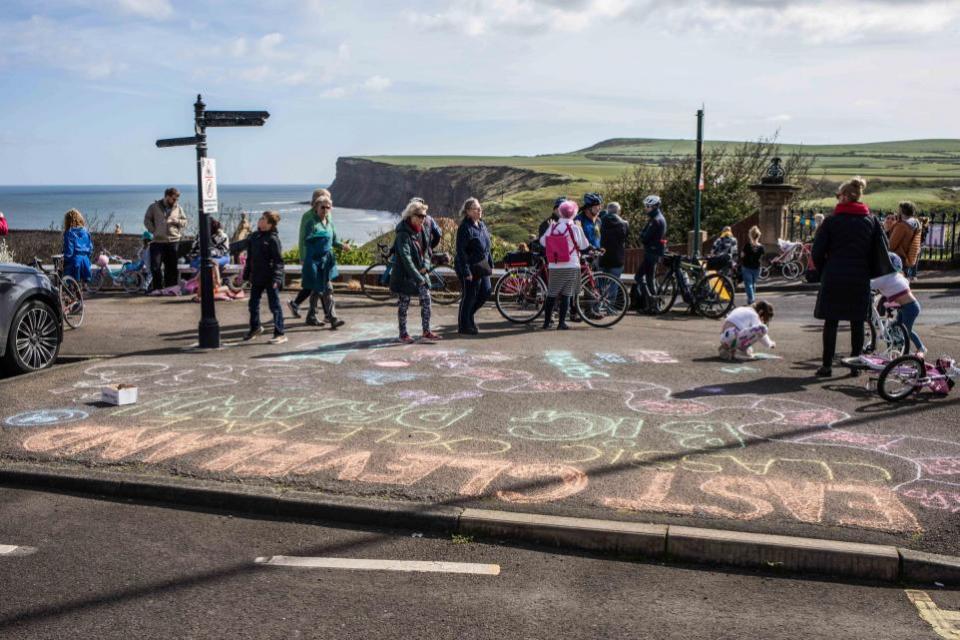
(409, 277)
(850, 248)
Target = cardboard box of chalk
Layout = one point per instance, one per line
(119, 394)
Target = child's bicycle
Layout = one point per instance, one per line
(901, 377)
(791, 261)
(128, 275)
(888, 336)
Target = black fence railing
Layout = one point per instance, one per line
(941, 232)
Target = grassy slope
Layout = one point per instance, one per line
(915, 167)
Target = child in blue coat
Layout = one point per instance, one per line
(77, 246)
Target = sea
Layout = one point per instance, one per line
(40, 207)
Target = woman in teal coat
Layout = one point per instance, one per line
(318, 239)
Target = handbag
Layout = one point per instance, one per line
(481, 269)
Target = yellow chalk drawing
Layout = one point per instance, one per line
(946, 624)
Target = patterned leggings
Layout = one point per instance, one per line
(404, 305)
(740, 340)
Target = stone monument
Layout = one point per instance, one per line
(775, 197)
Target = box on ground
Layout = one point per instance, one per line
(119, 394)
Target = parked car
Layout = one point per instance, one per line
(31, 328)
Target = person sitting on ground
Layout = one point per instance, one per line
(725, 244)
(743, 328)
(264, 271)
(409, 277)
(589, 218)
(564, 241)
(552, 218)
(905, 238)
(219, 247)
(895, 289)
(77, 246)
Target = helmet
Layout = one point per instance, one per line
(591, 199)
(559, 201)
(651, 201)
(895, 261)
(147, 235)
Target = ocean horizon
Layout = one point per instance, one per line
(43, 206)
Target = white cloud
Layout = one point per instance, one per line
(479, 17)
(238, 47)
(377, 83)
(154, 9)
(267, 45)
(335, 93)
(782, 117)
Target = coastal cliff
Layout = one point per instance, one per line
(366, 184)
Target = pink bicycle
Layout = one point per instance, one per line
(902, 377)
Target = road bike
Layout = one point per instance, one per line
(792, 261)
(375, 280)
(888, 336)
(68, 290)
(128, 275)
(706, 292)
(521, 293)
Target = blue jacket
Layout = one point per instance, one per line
(77, 247)
(654, 234)
(591, 229)
(473, 246)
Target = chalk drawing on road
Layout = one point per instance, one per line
(383, 378)
(423, 398)
(739, 369)
(46, 417)
(573, 368)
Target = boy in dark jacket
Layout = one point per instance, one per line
(264, 271)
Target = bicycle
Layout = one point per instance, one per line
(521, 293)
(375, 279)
(711, 295)
(128, 276)
(68, 290)
(791, 261)
(907, 375)
(235, 282)
(888, 336)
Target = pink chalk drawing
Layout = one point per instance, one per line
(848, 437)
(939, 500)
(391, 364)
(941, 466)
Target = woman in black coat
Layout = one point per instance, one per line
(474, 264)
(850, 248)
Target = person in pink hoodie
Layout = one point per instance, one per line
(4, 229)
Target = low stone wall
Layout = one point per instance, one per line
(25, 244)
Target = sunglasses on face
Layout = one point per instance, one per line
(326, 208)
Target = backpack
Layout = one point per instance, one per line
(558, 249)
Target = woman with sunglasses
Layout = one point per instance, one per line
(409, 277)
(318, 239)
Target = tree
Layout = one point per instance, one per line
(728, 173)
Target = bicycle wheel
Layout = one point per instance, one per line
(71, 301)
(444, 290)
(765, 268)
(792, 270)
(895, 340)
(132, 281)
(97, 280)
(604, 302)
(713, 296)
(520, 295)
(901, 377)
(375, 283)
(666, 293)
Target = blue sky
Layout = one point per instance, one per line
(87, 86)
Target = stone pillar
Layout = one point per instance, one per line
(774, 209)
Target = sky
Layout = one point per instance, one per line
(87, 86)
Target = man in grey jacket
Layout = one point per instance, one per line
(166, 221)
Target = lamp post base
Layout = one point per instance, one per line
(209, 333)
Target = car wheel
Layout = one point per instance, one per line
(34, 339)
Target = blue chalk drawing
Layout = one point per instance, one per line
(45, 417)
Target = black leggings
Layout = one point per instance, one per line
(830, 340)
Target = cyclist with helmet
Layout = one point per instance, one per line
(653, 237)
(554, 217)
(589, 218)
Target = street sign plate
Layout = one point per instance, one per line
(178, 142)
(235, 118)
(208, 181)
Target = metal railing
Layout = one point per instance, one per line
(941, 232)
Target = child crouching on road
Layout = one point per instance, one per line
(264, 271)
(743, 328)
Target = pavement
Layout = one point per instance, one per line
(638, 423)
(157, 572)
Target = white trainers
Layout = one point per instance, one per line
(278, 339)
(747, 353)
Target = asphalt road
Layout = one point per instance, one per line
(640, 422)
(107, 570)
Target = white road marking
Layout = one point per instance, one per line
(14, 550)
(381, 565)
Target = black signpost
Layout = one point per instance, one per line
(209, 330)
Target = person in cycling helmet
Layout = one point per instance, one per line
(653, 237)
(554, 217)
(589, 218)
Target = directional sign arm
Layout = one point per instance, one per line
(235, 118)
(178, 142)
